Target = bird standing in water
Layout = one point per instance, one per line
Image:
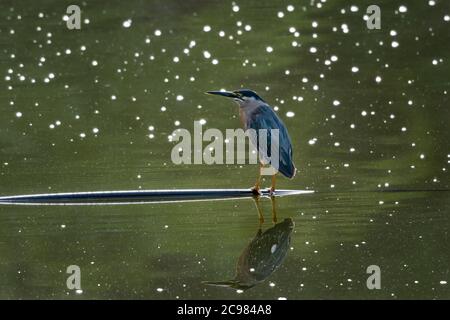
(256, 114)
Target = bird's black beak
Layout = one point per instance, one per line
(228, 94)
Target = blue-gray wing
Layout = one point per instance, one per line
(264, 117)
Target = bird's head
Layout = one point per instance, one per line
(243, 97)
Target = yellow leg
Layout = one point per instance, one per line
(274, 209)
(256, 188)
(260, 213)
(272, 188)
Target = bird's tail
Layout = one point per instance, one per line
(288, 172)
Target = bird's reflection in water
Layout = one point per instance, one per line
(263, 255)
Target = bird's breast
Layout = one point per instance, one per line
(243, 118)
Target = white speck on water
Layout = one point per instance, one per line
(378, 79)
(94, 63)
(215, 61)
(113, 97)
(422, 156)
(282, 298)
(447, 18)
(95, 130)
(180, 97)
(442, 282)
(202, 121)
(431, 3)
(82, 135)
(402, 9)
(78, 291)
(334, 58)
(158, 33)
(19, 114)
(355, 69)
(364, 113)
(63, 226)
(290, 114)
(176, 59)
(404, 129)
(127, 23)
(207, 28)
(312, 141)
(239, 291)
(290, 8)
(151, 128)
(393, 33)
(354, 9)
(280, 14)
(235, 8)
(269, 49)
(313, 49)
(336, 103)
(394, 44)
(160, 289)
(248, 27)
(206, 54)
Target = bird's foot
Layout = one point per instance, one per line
(255, 191)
